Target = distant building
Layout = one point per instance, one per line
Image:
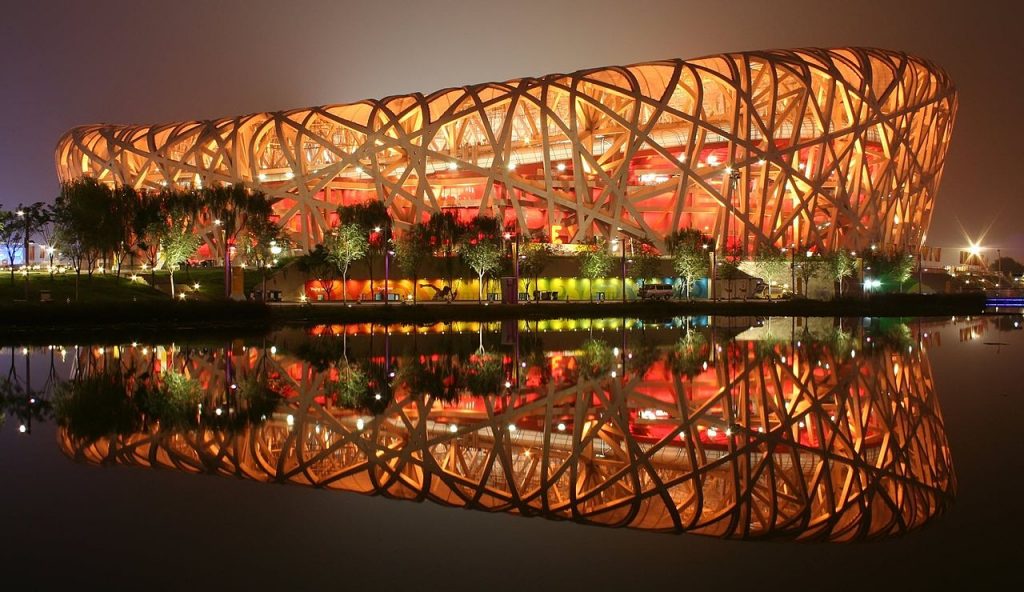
(38, 256)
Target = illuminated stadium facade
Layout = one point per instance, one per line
(815, 148)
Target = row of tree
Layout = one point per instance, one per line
(92, 224)
(364, 233)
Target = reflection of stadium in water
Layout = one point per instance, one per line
(837, 437)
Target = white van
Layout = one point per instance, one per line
(656, 292)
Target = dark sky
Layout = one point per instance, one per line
(66, 63)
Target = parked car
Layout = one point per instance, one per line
(656, 292)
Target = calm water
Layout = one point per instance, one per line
(849, 451)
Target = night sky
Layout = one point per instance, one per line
(73, 63)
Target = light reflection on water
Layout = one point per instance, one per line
(779, 428)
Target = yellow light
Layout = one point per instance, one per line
(195, 286)
(453, 166)
(561, 166)
(974, 249)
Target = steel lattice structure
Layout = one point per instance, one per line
(815, 148)
(777, 440)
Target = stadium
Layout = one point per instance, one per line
(814, 148)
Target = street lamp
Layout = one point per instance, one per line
(21, 214)
(515, 263)
(714, 264)
(227, 257)
(621, 243)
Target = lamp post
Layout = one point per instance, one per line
(275, 250)
(514, 246)
(999, 267)
(21, 214)
(792, 269)
(714, 263)
(734, 178)
(387, 260)
(623, 269)
(227, 257)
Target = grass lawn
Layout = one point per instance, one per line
(108, 288)
(99, 288)
(210, 281)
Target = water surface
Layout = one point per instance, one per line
(778, 440)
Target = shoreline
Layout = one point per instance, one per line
(247, 317)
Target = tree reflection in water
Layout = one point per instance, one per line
(833, 434)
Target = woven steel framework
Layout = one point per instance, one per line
(813, 148)
(763, 440)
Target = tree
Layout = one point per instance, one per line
(69, 243)
(124, 200)
(534, 257)
(86, 221)
(480, 248)
(771, 264)
(690, 353)
(809, 265)
(841, 265)
(445, 230)
(595, 359)
(319, 264)
(82, 223)
(889, 268)
(177, 238)
(33, 218)
(411, 252)
(595, 262)
(136, 213)
(264, 242)
(48, 232)
(147, 216)
(375, 219)
(235, 207)
(689, 251)
(11, 235)
(644, 262)
(1008, 266)
(345, 244)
